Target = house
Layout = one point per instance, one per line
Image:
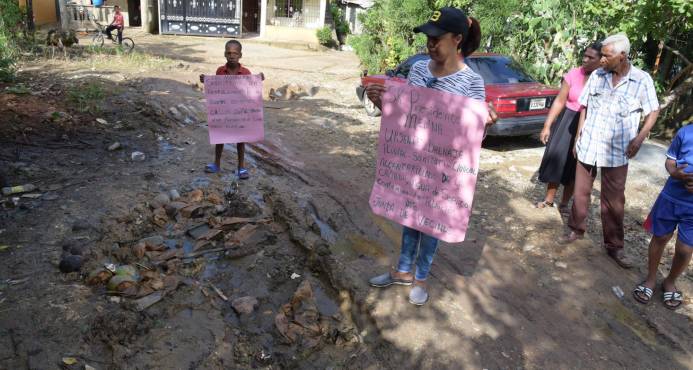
(280, 20)
(81, 14)
(45, 11)
(353, 9)
(291, 20)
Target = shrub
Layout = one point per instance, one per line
(11, 19)
(325, 36)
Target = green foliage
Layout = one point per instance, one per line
(340, 23)
(11, 19)
(87, 97)
(18, 89)
(387, 37)
(547, 37)
(325, 36)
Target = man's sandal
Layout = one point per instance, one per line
(544, 204)
(243, 174)
(642, 294)
(672, 300)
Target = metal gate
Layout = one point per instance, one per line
(200, 17)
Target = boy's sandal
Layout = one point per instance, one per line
(211, 168)
(544, 204)
(243, 174)
(642, 294)
(672, 300)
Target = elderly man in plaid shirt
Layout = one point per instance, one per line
(616, 96)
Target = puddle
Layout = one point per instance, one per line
(326, 232)
(357, 245)
(326, 306)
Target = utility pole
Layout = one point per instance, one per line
(30, 16)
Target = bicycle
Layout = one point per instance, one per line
(99, 37)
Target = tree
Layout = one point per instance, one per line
(548, 37)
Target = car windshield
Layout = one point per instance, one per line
(498, 70)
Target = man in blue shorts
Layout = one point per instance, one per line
(674, 207)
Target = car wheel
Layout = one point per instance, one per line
(370, 108)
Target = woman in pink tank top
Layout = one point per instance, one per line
(558, 164)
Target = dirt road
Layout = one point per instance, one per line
(508, 297)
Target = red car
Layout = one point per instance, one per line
(522, 103)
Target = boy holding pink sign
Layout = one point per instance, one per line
(233, 53)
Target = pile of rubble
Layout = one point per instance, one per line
(191, 227)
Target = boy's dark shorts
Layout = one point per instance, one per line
(666, 215)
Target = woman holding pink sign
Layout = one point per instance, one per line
(449, 32)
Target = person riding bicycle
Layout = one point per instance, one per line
(117, 24)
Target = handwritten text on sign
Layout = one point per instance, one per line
(234, 109)
(428, 160)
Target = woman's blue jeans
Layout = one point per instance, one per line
(413, 240)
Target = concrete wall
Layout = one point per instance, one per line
(104, 13)
(279, 33)
(44, 11)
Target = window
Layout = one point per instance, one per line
(294, 13)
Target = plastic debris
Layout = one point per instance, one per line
(138, 156)
(618, 292)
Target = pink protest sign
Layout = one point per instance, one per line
(428, 160)
(234, 109)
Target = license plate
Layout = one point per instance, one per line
(535, 104)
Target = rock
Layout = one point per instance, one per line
(195, 196)
(198, 231)
(114, 146)
(200, 183)
(528, 248)
(139, 249)
(215, 199)
(173, 208)
(122, 284)
(159, 217)
(175, 112)
(298, 320)
(70, 263)
(174, 195)
(102, 121)
(562, 265)
(193, 211)
(161, 200)
(81, 225)
(138, 156)
(244, 305)
(153, 242)
(77, 250)
(99, 276)
(219, 209)
(145, 302)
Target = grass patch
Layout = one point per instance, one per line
(102, 57)
(87, 97)
(18, 89)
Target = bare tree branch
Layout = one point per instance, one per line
(683, 88)
(678, 54)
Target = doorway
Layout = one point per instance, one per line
(251, 16)
(134, 13)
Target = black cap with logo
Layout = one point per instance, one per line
(445, 20)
